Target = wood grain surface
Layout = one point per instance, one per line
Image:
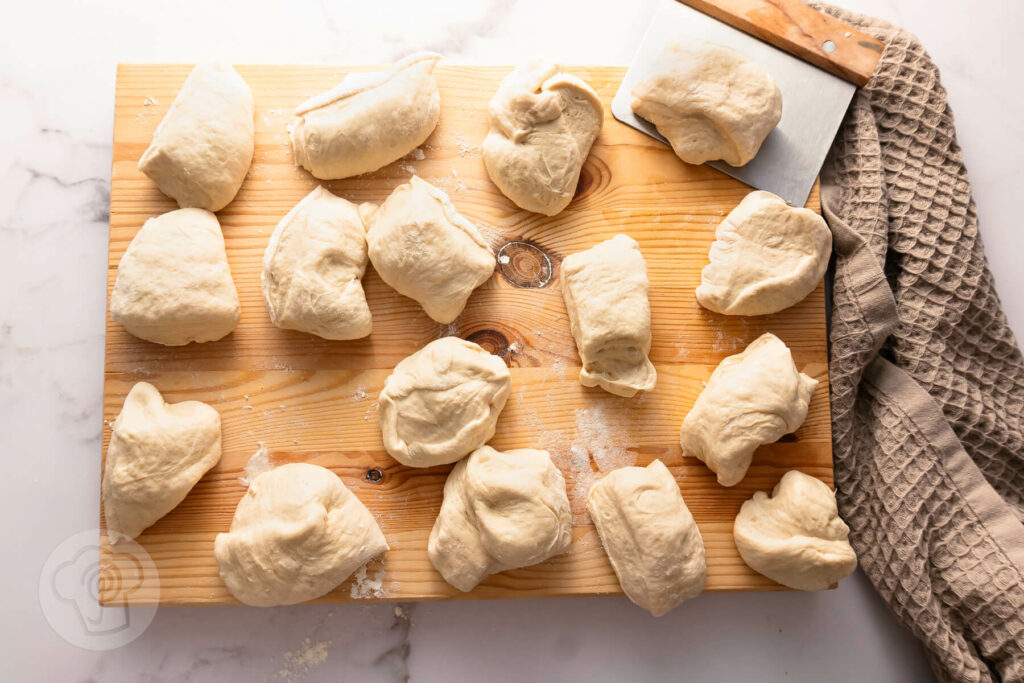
(311, 400)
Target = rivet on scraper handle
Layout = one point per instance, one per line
(802, 31)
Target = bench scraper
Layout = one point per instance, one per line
(816, 60)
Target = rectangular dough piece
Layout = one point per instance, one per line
(605, 290)
(650, 536)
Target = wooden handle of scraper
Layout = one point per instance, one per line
(802, 31)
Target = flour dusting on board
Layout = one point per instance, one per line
(259, 463)
(598, 447)
(465, 149)
(602, 431)
(364, 586)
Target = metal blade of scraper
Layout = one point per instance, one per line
(813, 101)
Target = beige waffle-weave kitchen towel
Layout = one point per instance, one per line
(927, 379)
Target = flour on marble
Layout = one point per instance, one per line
(299, 662)
(259, 463)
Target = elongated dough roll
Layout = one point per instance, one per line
(605, 291)
(368, 120)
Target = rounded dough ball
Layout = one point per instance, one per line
(426, 250)
(369, 120)
(766, 257)
(313, 269)
(796, 536)
(157, 453)
(500, 511)
(173, 282)
(203, 147)
(442, 402)
(710, 102)
(542, 125)
(297, 533)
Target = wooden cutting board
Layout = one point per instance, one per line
(311, 400)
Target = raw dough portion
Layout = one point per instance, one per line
(426, 250)
(442, 402)
(605, 291)
(157, 453)
(710, 102)
(297, 533)
(368, 120)
(542, 124)
(752, 398)
(796, 536)
(649, 534)
(313, 269)
(766, 257)
(500, 511)
(173, 282)
(203, 147)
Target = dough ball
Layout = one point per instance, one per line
(649, 534)
(157, 453)
(173, 282)
(795, 537)
(313, 269)
(542, 124)
(605, 292)
(442, 402)
(766, 257)
(298, 532)
(500, 511)
(202, 149)
(426, 250)
(368, 120)
(752, 398)
(710, 102)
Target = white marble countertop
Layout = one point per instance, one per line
(57, 66)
